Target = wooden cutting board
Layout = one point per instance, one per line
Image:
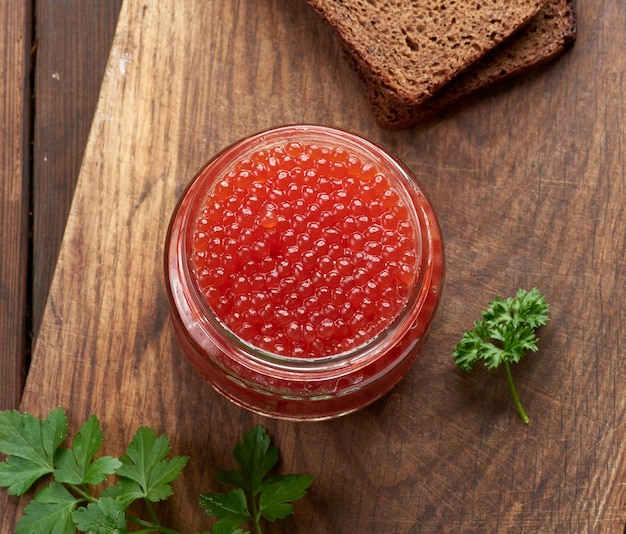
(529, 184)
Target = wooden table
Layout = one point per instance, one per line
(61, 66)
(528, 182)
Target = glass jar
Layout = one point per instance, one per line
(270, 381)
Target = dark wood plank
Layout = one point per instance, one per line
(15, 53)
(73, 42)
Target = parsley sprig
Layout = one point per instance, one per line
(255, 495)
(505, 332)
(34, 449)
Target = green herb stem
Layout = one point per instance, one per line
(82, 493)
(150, 527)
(256, 515)
(518, 403)
(151, 512)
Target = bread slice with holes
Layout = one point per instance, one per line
(405, 51)
(551, 32)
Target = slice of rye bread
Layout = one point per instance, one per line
(551, 32)
(406, 50)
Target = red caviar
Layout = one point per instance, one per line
(304, 266)
(302, 249)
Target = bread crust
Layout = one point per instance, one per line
(551, 32)
(405, 51)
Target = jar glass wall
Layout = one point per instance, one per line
(304, 265)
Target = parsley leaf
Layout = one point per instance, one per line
(230, 507)
(50, 511)
(30, 446)
(105, 515)
(76, 465)
(277, 492)
(255, 456)
(145, 473)
(254, 496)
(505, 332)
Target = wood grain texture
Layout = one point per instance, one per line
(529, 184)
(70, 36)
(15, 45)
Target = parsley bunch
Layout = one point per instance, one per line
(503, 335)
(33, 450)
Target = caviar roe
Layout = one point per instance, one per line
(303, 268)
(302, 249)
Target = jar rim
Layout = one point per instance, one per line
(425, 227)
